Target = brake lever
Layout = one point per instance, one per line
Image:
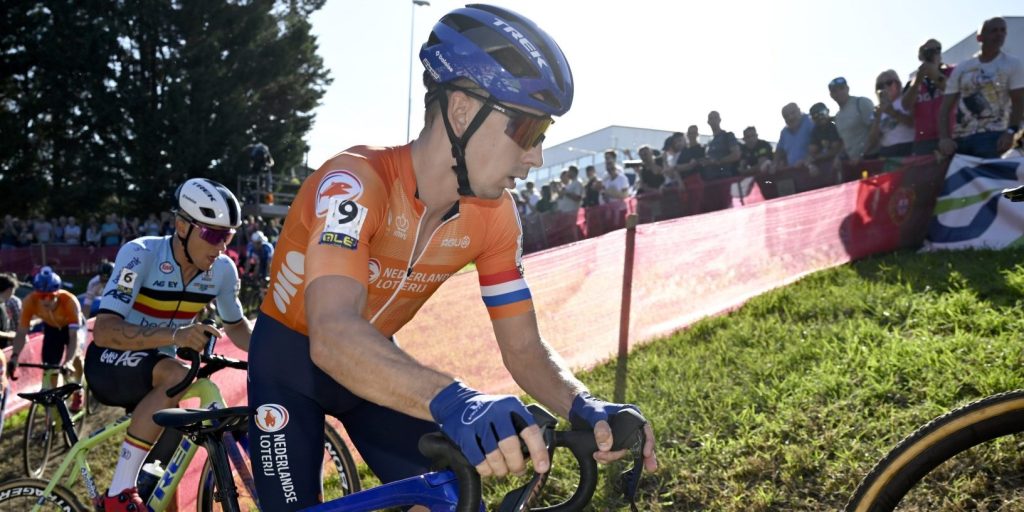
(628, 482)
(519, 500)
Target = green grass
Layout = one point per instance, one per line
(787, 403)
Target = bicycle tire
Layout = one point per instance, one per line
(22, 494)
(936, 442)
(344, 479)
(38, 441)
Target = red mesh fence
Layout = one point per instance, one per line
(684, 269)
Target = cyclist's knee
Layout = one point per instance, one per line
(167, 373)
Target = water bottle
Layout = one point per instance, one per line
(150, 475)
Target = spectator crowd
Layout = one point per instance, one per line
(973, 108)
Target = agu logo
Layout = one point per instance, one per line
(271, 417)
(341, 184)
(166, 267)
(374, 269)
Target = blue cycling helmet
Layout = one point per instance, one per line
(46, 281)
(504, 53)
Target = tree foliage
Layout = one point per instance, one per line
(108, 105)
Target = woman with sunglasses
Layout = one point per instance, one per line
(374, 232)
(892, 131)
(149, 305)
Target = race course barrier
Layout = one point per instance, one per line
(683, 269)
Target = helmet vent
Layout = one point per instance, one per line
(208, 213)
(547, 98)
(461, 23)
(513, 62)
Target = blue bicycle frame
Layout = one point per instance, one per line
(437, 490)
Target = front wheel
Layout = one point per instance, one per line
(40, 428)
(22, 494)
(937, 442)
(340, 476)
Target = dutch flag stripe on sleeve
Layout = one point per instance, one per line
(505, 294)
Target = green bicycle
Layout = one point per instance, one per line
(340, 477)
(44, 424)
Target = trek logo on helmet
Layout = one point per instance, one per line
(534, 52)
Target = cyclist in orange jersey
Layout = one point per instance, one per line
(373, 233)
(62, 319)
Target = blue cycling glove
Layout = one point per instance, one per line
(586, 411)
(474, 420)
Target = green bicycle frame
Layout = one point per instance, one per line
(52, 379)
(209, 397)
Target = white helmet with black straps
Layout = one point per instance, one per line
(208, 202)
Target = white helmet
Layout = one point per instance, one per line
(209, 202)
(258, 235)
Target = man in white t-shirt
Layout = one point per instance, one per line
(531, 197)
(615, 183)
(572, 191)
(988, 91)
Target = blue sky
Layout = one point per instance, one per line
(653, 64)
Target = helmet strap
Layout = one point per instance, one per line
(459, 143)
(184, 243)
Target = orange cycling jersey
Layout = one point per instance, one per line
(358, 216)
(64, 313)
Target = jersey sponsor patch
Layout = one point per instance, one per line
(344, 222)
(271, 417)
(337, 184)
(126, 281)
(117, 294)
(166, 267)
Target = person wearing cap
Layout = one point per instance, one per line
(794, 138)
(856, 113)
(924, 98)
(988, 91)
(826, 147)
(756, 154)
(372, 235)
(892, 131)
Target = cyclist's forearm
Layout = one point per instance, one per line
(111, 331)
(239, 333)
(72, 345)
(19, 343)
(353, 353)
(536, 367)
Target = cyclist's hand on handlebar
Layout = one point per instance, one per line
(473, 420)
(590, 412)
(195, 336)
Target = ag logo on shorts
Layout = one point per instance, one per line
(271, 417)
(341, 184)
